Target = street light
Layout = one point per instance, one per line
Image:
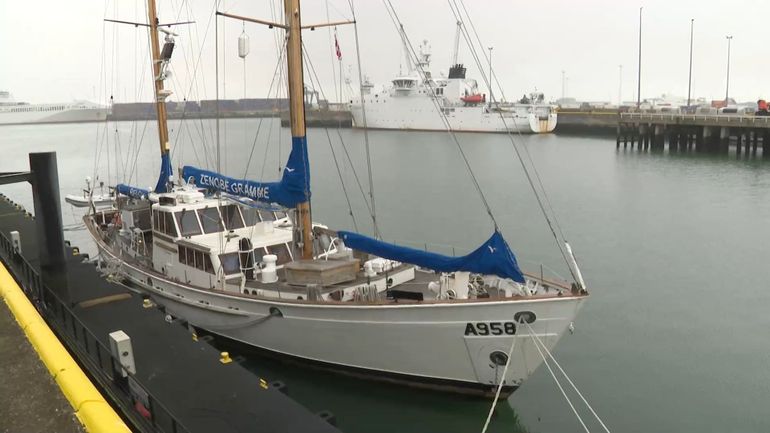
(639, 73)
(727, 86)
(689, 80)
(620, 85)
(490, 76)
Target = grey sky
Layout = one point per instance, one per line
(51, 50)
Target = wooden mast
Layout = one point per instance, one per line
(160, 98)
(297, 109)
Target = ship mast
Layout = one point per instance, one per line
(297, 109)
(160, 93)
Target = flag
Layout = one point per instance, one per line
(337, 47)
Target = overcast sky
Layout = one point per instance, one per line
(59, 50)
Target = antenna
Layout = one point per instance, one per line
(457, 43)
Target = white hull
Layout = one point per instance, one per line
(465, 119)
(67, 115)
(391, 340)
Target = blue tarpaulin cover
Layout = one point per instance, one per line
(165, 173)
(493, 257)
(292, 189)
(131, 191)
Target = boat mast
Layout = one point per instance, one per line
(297, 110)
(160, 93)
(457, 43)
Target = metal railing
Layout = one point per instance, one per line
(91, 352)
(737, 119)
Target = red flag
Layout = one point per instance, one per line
(337, 48)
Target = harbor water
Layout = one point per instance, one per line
(673, 247)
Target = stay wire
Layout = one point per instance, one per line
(366, 129)
(522, 162)
(315, 83)
(500, 88)
(429, 83)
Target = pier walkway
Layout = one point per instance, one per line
(697, 132)
(30, 400)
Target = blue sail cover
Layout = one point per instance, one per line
(165, 173)
(493, 257)
(292, 189)
(131, 191)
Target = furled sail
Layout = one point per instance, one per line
(292, 189)
(493, 257)
(165, 173)
(132, 191)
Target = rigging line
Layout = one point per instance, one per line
(473, 27)
(342, 182)
(279, 64)
(500, 88)
(355, 173)
(442, 115)
(331, 48)
(500, 385)
(585, 401)
(323, 94)
(375, 225)
(317, 82)
(555, 379)
(522, 162)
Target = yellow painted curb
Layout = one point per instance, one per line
(93, 411)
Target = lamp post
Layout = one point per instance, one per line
(727, 86)
(639, 72)
(620, 85)
(562, 84)
(490, 76)
(689, 80)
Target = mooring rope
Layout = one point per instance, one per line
(499, 386)
(588, 405)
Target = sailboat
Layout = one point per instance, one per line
(242, 259)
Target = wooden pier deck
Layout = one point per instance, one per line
(714, 133)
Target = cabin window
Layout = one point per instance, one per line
(266, 215)
(199, 260)
(281, 251)
(250, 216)
(210, 220)
(188, 223)
(155, 222)
(190, 257)
(208, 267)
(230, 263)
(170, 228)
(232, 217)
(280, 214)
(182, 255)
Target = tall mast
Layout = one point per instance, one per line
(457, 43)
(160, 96)
(297, 109)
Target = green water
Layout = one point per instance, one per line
(674, 249)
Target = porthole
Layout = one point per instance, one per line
(498, 358)
(524, 317)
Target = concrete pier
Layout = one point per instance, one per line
(30, 400)
(699, 133)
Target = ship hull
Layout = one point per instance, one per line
(63, 116)
(421, 114)
(441, 345)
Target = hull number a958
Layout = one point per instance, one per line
(490, 328)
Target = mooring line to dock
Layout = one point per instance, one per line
(538, 344)
(91, 409)
(499, 386)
